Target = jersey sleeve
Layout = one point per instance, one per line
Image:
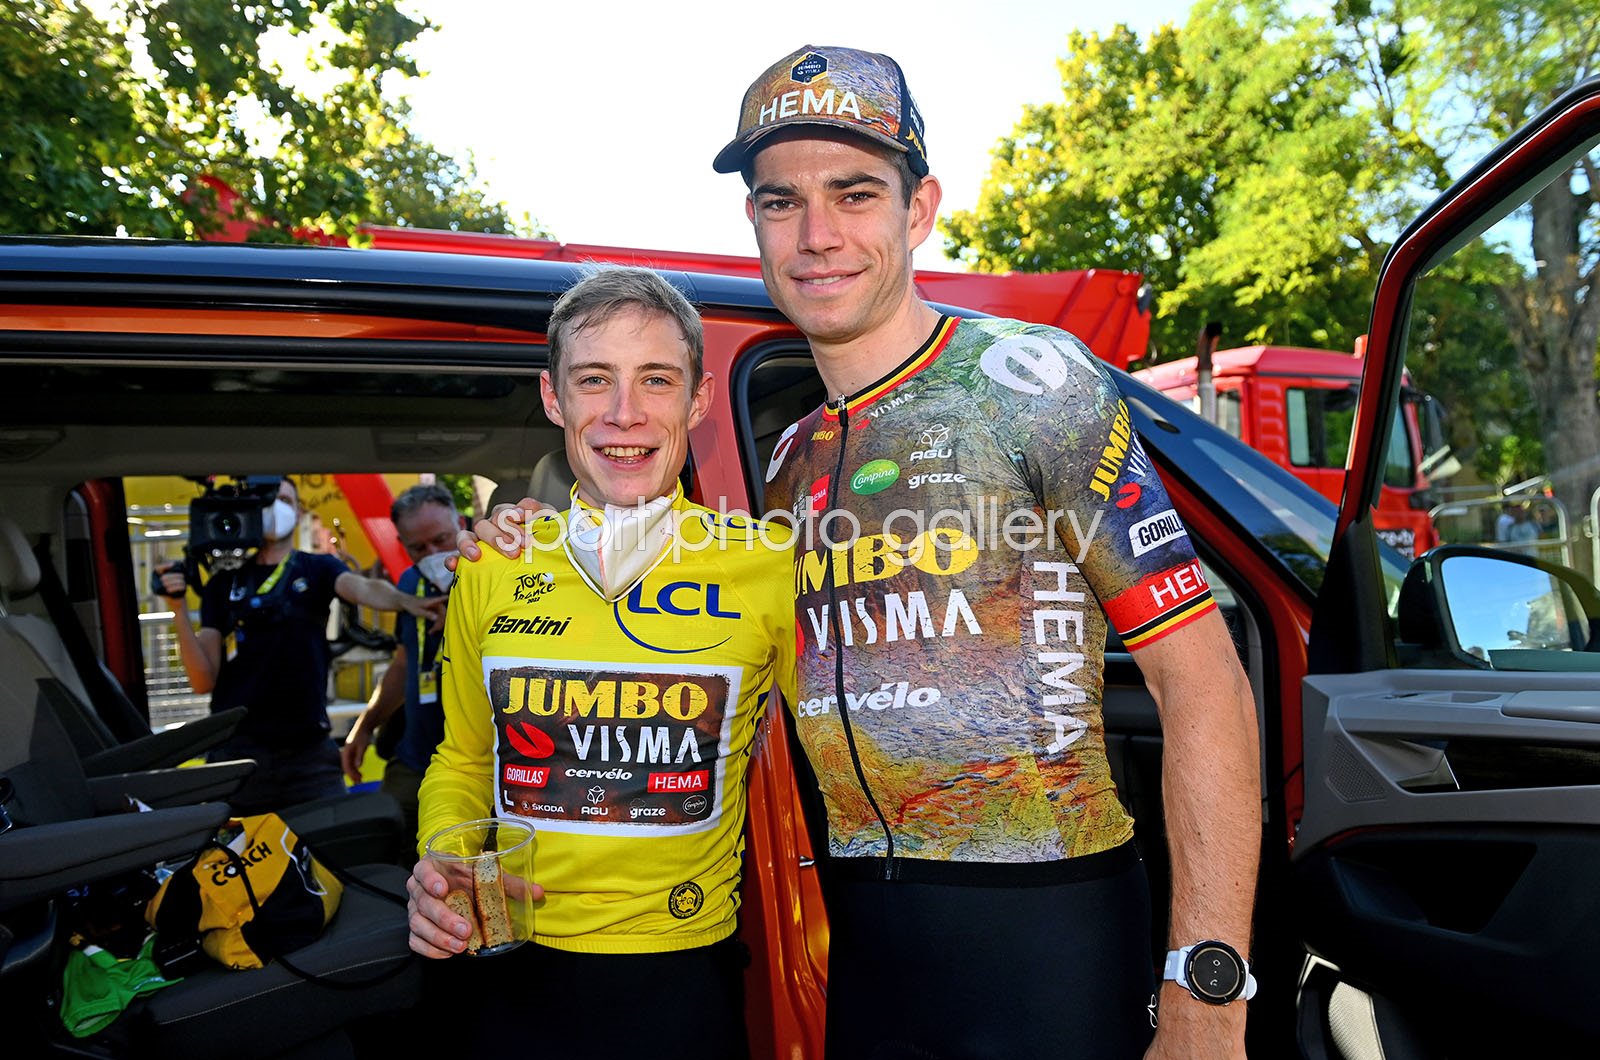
(1105, 503)
(325, 571)
(459, 783)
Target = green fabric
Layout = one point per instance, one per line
(96, 986)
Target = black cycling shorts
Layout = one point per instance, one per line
(558, 1005)
(936, 971)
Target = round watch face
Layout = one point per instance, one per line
(1214, 973)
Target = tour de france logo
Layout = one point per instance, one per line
(531, 587)
(685, 900)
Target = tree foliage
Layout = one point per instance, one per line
(108, 127)
(1257, 164)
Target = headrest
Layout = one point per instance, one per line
(552, 479)
(19, 570)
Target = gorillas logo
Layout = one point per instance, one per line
(531, 587)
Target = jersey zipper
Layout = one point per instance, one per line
(837, 629)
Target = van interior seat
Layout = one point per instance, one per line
(353, 829)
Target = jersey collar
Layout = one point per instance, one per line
(925, 355)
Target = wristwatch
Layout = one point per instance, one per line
(1212, 971)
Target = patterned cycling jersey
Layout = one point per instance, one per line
(1006, 512)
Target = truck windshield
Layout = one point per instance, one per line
(1320, 422)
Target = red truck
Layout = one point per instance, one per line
(1297, 407)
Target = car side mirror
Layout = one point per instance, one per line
(1486, 608)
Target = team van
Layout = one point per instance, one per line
(1431, 800)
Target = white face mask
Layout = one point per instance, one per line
(433, 568)
(614, 548)
(277, 522)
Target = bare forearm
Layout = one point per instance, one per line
(370, 592)
(1211, 790)
(199, 664)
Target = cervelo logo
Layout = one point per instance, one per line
(1152, 533)
(890, 696)
(679, 600)
(781, 451)
(1032, 364)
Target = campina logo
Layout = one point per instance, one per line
(874, 477)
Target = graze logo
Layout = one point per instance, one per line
(607, 745)
(537, 626)
(889, 696)
(875, 476)
(1152, 533)
(675, 600)
(781, 451)
(1114, 453)
(935, 445)
(1032, 364)
(532, 587)
(937, 478)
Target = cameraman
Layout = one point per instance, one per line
(262, 644)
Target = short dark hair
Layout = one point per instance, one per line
(417, 496)
(612, 290)
(909, 181)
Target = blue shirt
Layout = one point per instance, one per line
(424, 721)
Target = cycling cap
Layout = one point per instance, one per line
(860, 92)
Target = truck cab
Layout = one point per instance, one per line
(1297, 406)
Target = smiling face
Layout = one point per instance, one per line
(627, 402)
(836, 236)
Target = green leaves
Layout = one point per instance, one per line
(108, 128)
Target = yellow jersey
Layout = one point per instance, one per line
(622, 732)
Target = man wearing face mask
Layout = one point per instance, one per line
(425, 519)
(262, 644)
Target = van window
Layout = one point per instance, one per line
(1320, 422)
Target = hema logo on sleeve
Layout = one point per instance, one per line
(1149, 534)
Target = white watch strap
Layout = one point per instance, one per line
(1176, 959)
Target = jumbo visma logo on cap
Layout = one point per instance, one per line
(874, 477)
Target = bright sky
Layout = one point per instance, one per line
(601, 118)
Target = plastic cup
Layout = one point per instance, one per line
(488, 866)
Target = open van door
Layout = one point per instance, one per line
(1447, 866)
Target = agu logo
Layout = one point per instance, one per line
(685, 900)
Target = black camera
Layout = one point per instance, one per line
(226, 526)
